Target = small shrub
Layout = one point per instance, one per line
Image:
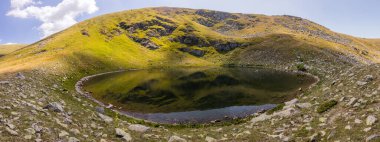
(277, 108)
(326, 106)
(301, 67)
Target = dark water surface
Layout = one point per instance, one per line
(196, 95)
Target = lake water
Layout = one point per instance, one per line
(196, 95)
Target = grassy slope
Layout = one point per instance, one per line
(67, 56)
(6, 49)
(104, 53)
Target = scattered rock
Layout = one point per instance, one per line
(210, 139)
(371, 120)
(138, 128)
(176, 139)
(303, 105)
(105, 118)
(10, 131)
(375, 137)
(100, 110)
(122, 134)
(291, 102)
(63, 134)
(73, 139)
(55, 106)
(20, 76)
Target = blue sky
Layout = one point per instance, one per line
(359, 18)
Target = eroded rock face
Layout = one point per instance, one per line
(225, 47)
(145, 42)
(216, 15)
(194, 52)
(167, 25)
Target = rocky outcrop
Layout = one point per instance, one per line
(192, 40)
(194, 52)
(227, 46)
(145, 42)
(167, 25)
(216, 15)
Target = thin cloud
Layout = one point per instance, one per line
(53, 18)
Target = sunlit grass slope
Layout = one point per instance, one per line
(6, 49)
(162, 37)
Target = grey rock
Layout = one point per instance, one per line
(375, 137)
(176, 139)
(368, 78)
(291, 102)
(63, 134)
(371, 120)
(73, 139)
(100, 110)
(210, 139)
(138, 128)
(304, 105)
(55, 106)
(10, 131)
(20, 76)
(122, 134)
(105, 118)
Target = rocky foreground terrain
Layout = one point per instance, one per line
(39, 109)
(39, 101)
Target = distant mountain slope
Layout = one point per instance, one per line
(189, 37)
(6, 49)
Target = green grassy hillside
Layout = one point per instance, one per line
(44, 74)
(6, 49)
(186, 37)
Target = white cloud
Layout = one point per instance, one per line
(53, 18)
(9, 43)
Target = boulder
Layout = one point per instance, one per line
(122, 134)
(138, 128)
(54, 106)
(105, 118)
(176, 139)
(371, 120)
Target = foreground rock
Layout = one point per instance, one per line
(139, 128)
(122, 134)
(176, 139)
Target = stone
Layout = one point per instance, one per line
(291, 102)
(357, 121)
(352, 101)
(322, 119)
(210, 139)
(367, 129)
(374, 138)
(28, 137)
(105, 118)
(20, 76)
(10, 131)
(138, 128)
(122, 134)
(73, 139)
(348, 127)
(30, 131)
(100, 110)
(368, 78)
(371, 120)
(303, 105)
(361, 83)
(176, 139)
(63, 134)
(75, 131)
(55, 106)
